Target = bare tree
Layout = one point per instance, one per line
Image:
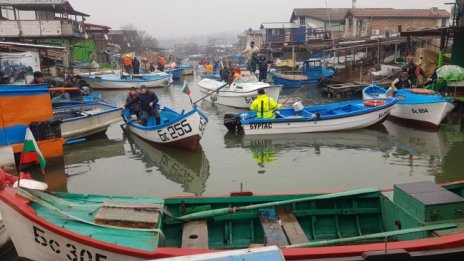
(140, 40)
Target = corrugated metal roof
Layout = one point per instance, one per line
(410, 13)
(57, 6)
(5, 44)
(276, 25)
(322, 14)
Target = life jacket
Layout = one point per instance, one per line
(264, 107)
(127, 61)
(209, 68)
(162, 61)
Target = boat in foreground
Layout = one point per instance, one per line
(419, 216)
(183, 130)
(321, 118)
(240, 93)
(422, 106)
(81, 119)
(114, 81)
(312, 73)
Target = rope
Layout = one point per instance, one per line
(31, 197)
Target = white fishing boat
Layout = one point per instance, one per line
(115, 81)
(321, 118)
(422, 106)
(81, 119)
(182, 130)
(240, 93)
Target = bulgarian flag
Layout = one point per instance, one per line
(186, 88)
(31, 152)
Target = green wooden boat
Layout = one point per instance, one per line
(420, 216)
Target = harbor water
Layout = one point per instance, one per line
(118, 163)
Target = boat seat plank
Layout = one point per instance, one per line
(124, 214)
(273, 231)
(195, 234)
(291, 226)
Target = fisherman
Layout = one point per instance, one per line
(148, 101)
(208, 68)
(134, 108)
(413, 70)
(152, 67)
(264, 106)
(128, 64)
(262, 66)
(38, 78)
(225, 75)
(136, 65)
(161, 63)
(399, 83)
(251, 53)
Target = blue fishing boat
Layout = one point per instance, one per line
(188, 69)
(422, 106)
(183, 130)
(175, 72)
(321, 118)
(215, 75)
(313, 72)
(115, 81)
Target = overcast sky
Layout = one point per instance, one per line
(184, 18)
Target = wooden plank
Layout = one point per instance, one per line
(133, 215)
(195, 234)
(292, 228)
(273, 231)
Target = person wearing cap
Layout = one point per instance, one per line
(262, 66)
(399, 83)
(148, 101)
(128, 64)
(413, 70)
(38, 78)
(264, 106)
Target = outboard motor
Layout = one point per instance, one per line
(232, 122)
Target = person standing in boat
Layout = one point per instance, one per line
(413, 70)
(262, 66)
(128, 64)
(136, 65)
(251, 53)
(399, 83)
(148, 101)
(161, 63)
(264, 106)
(208, 68)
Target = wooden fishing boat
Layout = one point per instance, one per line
(240, 93)
(321, 118)
(419, 216)
(175, 72)
(312, 73)
(114, 81)
(182, 130)
(81, 119)
(422, 106)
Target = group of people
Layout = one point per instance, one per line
(409, 77)
(143, 104)
(256, 61)
(132, 66)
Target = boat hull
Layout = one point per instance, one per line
(238, 99)
(4, 236)
(185, 132)
(86, 125)
(101, 84)
(427, 114)
(338, 124)
(188, 71)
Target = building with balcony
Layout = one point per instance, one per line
(283, 33)
(321, 23)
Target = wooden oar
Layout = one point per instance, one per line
(224, 211)
(374, 236)
(209, 94)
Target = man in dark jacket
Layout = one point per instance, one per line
(262, 66)
(148, 101)
(136, 65)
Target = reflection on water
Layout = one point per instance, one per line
(117, 164)
(191, 171)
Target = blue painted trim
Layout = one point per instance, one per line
(77, 105)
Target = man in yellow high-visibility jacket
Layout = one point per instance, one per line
(264, 106)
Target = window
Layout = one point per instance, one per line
(302, 20)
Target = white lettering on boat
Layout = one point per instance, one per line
(260, 125)
(68, 249)
(420, 110)
(175, 131)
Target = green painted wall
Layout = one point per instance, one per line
(83, 49)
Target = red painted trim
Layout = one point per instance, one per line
(20, 204)
(191, 143)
